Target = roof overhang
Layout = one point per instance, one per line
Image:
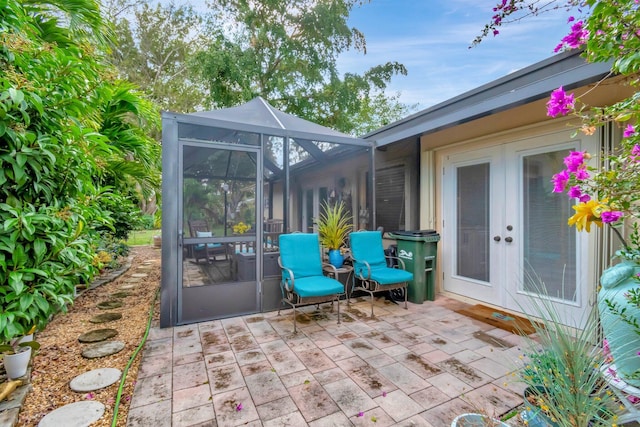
(522, 87)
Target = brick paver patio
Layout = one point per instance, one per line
(416, 367)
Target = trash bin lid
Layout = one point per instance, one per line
(414, 233)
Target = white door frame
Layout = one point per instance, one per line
(505, 288)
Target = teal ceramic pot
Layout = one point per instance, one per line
(476, 420)
(624, 342)
(533, 415)
(336, 258)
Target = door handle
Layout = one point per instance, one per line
(508, 239)
(496, 238)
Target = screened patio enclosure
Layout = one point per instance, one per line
(228, 177)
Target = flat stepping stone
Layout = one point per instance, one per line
(122, 294)
(102, 349)
(127, 287)
(140, 275)
(133, 280)
(106, 317)
(78, 414)
(95, 379)
(107, 305)
(97, 335)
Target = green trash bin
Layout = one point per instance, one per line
(418, 249)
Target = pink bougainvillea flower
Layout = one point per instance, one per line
(89, 396)
(559, 103)
(574, 192)
(360, 414)
(576, 37)
(239, 407)
(610, 216)
(605, 347)
(630, 130)
(574, 160)
(560, 181)
(582, 174)
(384, 394)
(635, 151)
(633, 399)
(584, 198)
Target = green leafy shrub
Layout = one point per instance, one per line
(67, 128)
(43, 255)
(147, 222)
(124, 215)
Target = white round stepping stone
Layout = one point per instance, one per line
(127, 287)
(102, 349)
(78, 414)
(95, 379)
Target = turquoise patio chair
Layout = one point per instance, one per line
(370, 268)
(303, 281)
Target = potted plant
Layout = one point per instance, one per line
(476, 420)
(16, 356)
(565, 386)
(334, 225)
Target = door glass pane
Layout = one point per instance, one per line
(473, 213)
(219, 203)
(549, 244)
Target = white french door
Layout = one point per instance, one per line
(505, 232)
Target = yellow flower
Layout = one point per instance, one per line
(587, 213)
(241, 228)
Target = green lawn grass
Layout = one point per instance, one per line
(142, 237)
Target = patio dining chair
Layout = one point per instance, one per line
(303, 281)
(370, 268)
(208, 251)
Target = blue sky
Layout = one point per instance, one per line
(431, 38)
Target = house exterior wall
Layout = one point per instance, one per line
(342, 181)
(528, 122)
